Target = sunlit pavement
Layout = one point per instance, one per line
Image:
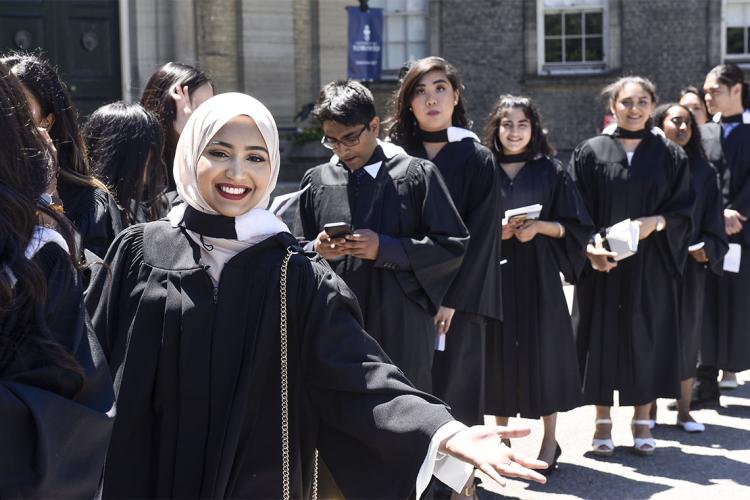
(714, 464)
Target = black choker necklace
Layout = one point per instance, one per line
(629, 134)
(213, 226)
(732, 118)
(439, 136)
(517, 158)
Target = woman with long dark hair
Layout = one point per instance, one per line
(726, 140)
(237, 354)
(85, 198)
(172, 93)
(56, 396)
(708, 244)
(125, 145)
(428, 119)
(531, 357)
(625, 310)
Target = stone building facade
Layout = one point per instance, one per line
(559, 52)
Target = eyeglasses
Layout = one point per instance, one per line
(349, 141)
(678, 121)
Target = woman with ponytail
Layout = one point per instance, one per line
(625, 307)
(726, 140)
(56, 398)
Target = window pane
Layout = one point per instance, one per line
(395, 28)
(735, 40)
(594, 48)
(416, 51)
(574, 24)
(734, 14)
(416, 5)
(593, 23)
(553, 24)
(553, 50)
(396, 55)
(573, 49)
(573, 3)
(416, 28)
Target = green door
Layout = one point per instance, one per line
(81, 38)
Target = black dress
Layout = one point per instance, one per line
(468, 169)
(726, 339)
(708, 227)
(422, 244)
(94, 215)
(626, 320)
(56, 423)
(532, 367)
(197, 374)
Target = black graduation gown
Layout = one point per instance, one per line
(532, 366)
(468, 169)
(458, 372)
(406, 200)
(726, 339)
(55, 422)
(197, 375)
(626, 320)
(708, 227)
(94, 215)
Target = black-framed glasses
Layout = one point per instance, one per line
(346, 141)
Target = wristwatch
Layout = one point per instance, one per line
(661, 223)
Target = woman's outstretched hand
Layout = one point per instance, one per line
(482, 447)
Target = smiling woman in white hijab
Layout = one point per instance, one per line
(236, 356)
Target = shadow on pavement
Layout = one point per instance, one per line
(585, 482)
(692, 468)
(715, 436)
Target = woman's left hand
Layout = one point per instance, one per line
(527, 231)
(481, 446)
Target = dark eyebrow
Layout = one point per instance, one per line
(248, 148)
(440, 80)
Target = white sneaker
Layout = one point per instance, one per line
(691, 426)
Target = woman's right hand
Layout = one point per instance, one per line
(328, 248)
(599, 258)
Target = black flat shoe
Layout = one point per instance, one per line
(551, 468)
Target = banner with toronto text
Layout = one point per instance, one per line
(365, 43)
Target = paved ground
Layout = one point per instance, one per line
(714, 464)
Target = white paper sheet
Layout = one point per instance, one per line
(281, 203)
(530, 211)
(623, 239)
(696, 246)
(732, 258)
(440, 342)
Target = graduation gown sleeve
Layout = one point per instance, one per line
(676, 211)
(56, 422)
(710, 224)
(436, 253)
(568, 209)
(375, 428)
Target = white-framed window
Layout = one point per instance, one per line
(404, 32)
(572, 36)
(737, 30)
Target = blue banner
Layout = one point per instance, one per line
(365, 43)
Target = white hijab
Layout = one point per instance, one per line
(251, 227)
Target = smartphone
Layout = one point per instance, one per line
(338, 229)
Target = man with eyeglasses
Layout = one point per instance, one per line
(408, 240)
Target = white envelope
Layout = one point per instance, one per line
(529, 211)
(732, 258)
(622, 238)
